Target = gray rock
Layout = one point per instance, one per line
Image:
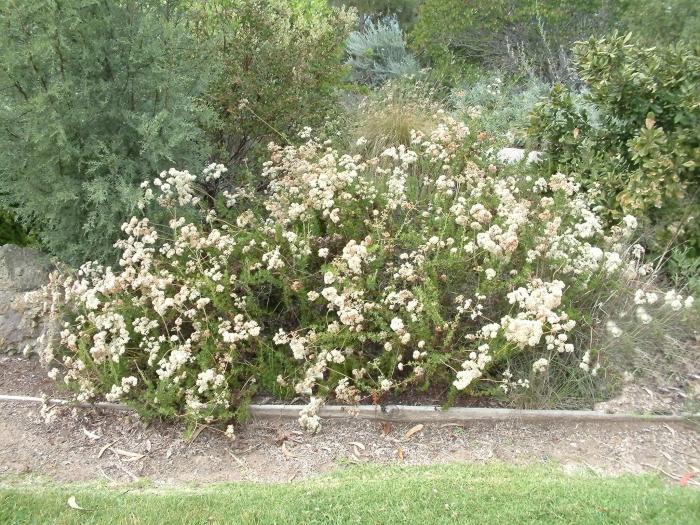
(23, 320)
(22, 269)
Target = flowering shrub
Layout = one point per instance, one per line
(348, 277)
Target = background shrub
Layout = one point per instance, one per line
(388, 116)
(513, 36)
(377, 53)
(661, 21)
(279, 67)
(404, 11)
(99, 96)
(498, 108)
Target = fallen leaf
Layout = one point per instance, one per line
(90, 435)
(357, 444)
(414, 430)
(685, 479)
(73, 504)
(286, 452)
(386, 427)
(401, 454)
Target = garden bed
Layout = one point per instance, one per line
(82, 444)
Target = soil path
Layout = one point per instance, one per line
(68, 444)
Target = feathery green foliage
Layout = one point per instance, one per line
(98, 97)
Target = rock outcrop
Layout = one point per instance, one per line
(23, 321)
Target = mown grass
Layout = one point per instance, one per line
(370, 495)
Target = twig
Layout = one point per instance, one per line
(133, 476)
(104, 449)
(238, 460)
(106, 476)
(674, 477)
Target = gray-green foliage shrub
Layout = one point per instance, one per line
(279, 68)
(641, 154)
(378, 52)
(99, 95)
(501, 110)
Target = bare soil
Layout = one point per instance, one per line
(69, 444)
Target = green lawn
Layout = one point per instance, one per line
(368, 495)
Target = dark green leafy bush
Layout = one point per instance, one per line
(641, 154)
(99, 95)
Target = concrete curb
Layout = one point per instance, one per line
(427, 414)
(406, 413)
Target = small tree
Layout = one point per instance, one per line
(97, 96)
(279, 64)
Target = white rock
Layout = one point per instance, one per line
(511, 155)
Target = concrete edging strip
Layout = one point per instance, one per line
(405, 413)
